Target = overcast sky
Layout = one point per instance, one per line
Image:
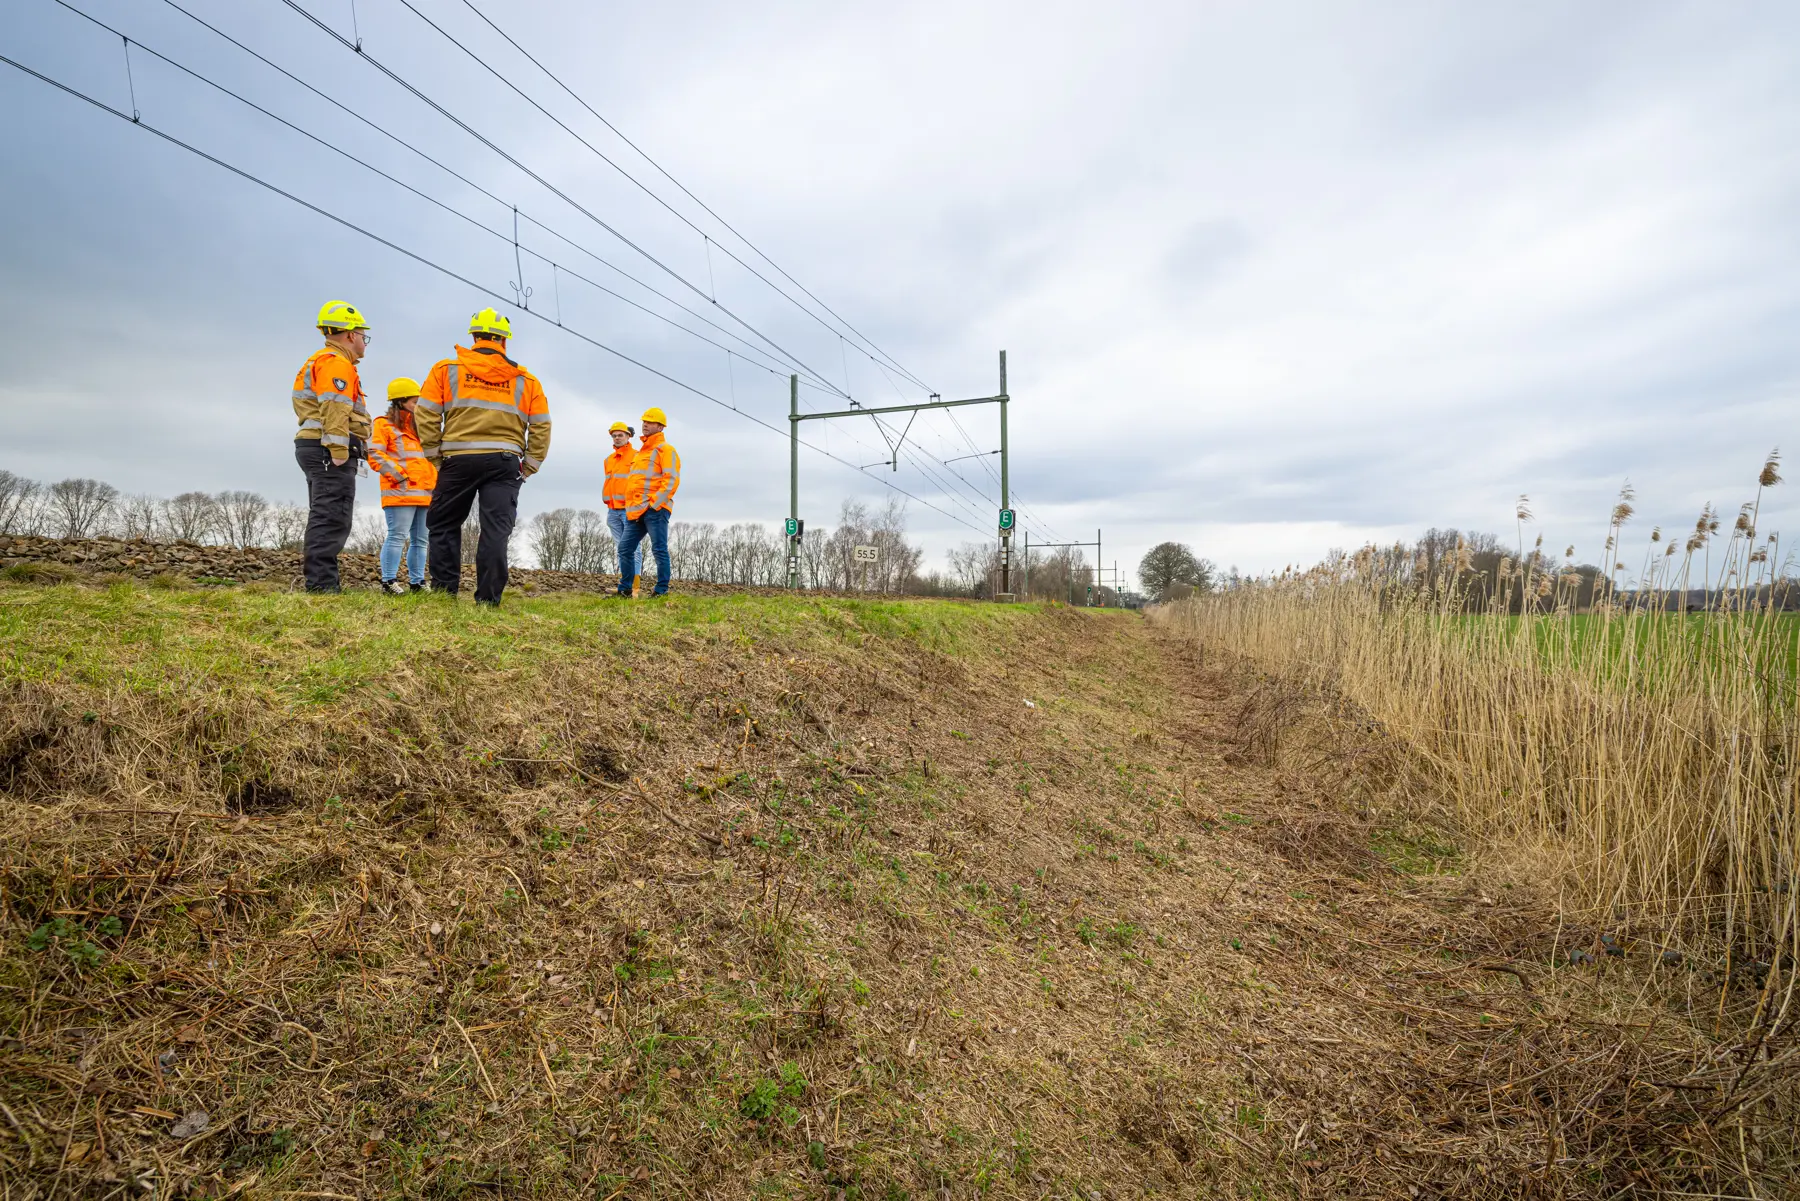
(1273, 278)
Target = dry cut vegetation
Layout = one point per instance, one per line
(758, 897)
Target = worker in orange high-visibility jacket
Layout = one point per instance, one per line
(649, 497)
(616, 491)
(485, 420)
(334, 426)
(407, 478)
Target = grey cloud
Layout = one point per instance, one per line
(1272, 279)
(1202, 255)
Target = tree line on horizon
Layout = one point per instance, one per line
(563, 539)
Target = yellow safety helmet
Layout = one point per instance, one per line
(655, 415)
(487, 321)
(618, 427)
(402, 388)
(340, 316)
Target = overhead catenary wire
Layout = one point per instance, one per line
(785, 369)
(554, 78)
(130, 80)
(948, 490)
(984, 497)
(454, 174)
(1029, 518)
(397, 78)
(422, 195)
(448, 272)
(914, 458)
(977, 509)
(1018, 501)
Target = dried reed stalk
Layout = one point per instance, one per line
(1650, 749)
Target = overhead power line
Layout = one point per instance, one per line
(946, 488)
(1030, 520)
(448, 272)
(788, 365)
(501, 235)
(543, 182)
(642, 153)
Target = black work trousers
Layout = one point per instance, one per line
(330, 507)
(492, 481)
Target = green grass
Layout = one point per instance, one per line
(1649, 646)
(312, 650)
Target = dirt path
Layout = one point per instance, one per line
(1292, 987)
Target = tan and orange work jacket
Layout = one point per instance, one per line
(481, 402)
(328, 400)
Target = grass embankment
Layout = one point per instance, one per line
(356, 897)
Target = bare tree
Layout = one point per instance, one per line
(79, 507)
(243, 518)
(288, 524)
(593, 549)
(835, 565)
(971, 566)
(899, 560)
(744, 553)
(191, 517)
(138, 516)
(471, 534)
(20, 504)
(367, 533)
(553, 539)
(1063, 574)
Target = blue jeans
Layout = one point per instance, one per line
(406, 533)
(654, 524)
(616, 521)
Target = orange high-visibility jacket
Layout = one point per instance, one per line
(481, 402)
(328, 400)
(616, 492)
(655, 475)
(407, 476)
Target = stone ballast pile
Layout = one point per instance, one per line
(137, 558)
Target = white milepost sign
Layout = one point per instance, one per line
(866, 554)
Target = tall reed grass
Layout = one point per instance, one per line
(1649, 747)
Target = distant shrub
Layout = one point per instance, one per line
(40, 573)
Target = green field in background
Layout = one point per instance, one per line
(1651, 645)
